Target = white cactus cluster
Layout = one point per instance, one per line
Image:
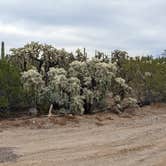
(121, 82)
(78, 88)
(32, 78)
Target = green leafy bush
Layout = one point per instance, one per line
(146, 76)
(10, 85)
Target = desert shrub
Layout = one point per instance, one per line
(147, 78)
(10, 86)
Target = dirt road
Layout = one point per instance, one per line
(97, 140)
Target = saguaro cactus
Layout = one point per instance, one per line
(2, 50)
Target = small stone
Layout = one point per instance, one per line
(33, 111)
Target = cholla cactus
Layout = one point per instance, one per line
(53, 72)
(73, 86)
(129, 102)
(103, 71)
(76, 90)
(78, 69)
(57, 87)
(122, 85)
(121, 82)
(77, 105)
(88, 95)
(65, 92)
(113, 67)
(32, 79)
(33, 84)
(148, 74)
(43, 56)
(117, 99)
(102, 75)
(87, 81)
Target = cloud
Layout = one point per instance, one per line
(132, 25)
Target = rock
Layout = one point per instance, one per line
(33, 112)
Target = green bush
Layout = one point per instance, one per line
(146, 76)
(10, 85)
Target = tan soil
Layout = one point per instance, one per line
(103, 139)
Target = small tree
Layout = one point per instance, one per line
(10, 85)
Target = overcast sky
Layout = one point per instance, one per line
(137, 26)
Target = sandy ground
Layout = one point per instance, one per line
(96, 140)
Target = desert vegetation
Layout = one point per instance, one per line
(41, 77)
